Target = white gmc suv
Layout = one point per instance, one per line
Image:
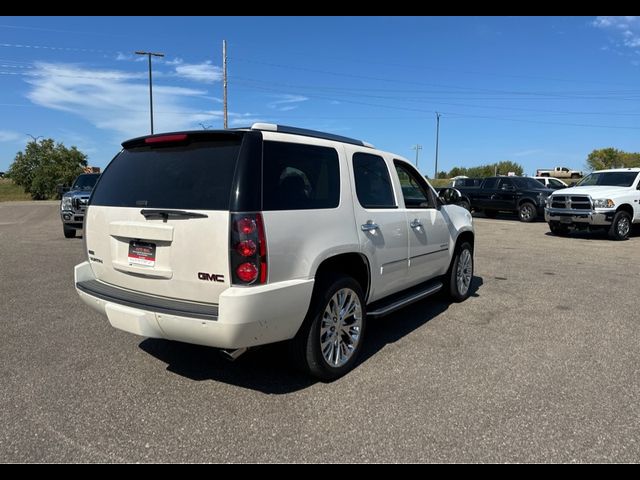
(239, 238)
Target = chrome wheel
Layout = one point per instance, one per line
(527, 212)
(341, 327)
(623, 227)
(464, 271)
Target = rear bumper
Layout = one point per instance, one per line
(244, 317)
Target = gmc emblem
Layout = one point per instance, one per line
(210, 277)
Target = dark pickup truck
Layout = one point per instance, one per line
(523, 195)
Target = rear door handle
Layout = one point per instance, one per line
(369, 226)
(415, 223)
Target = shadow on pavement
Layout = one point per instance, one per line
(267, 369)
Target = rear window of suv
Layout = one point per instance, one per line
(197, 176)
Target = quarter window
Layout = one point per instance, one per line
(300, 177)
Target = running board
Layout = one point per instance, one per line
(398, 301)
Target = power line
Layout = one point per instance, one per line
(359, 60)
(408, 82)
(393, 107)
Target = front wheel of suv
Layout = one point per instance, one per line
(460, 274)
(330, 339)
(68, 232)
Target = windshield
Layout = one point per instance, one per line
(85, 182)
(608, 179)
(523, 182)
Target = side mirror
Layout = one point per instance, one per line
(450, 196)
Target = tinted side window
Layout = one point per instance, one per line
(373, 185)
(299, 177)
(506, 183)
(414, 192)
(490, 183)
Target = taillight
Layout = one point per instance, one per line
(248, 249)
(179, 137)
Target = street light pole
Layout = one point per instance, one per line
(437, 139)
(150, 54)
(417, 148)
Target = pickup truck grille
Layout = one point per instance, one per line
(571, 202)
(80, 203)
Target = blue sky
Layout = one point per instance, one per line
(541, 91)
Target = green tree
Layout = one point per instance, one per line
(605, 158)
(44, 165)
(488, 170)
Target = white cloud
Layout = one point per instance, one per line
(204, 72)
(285, 103)
(123, 57)
(626, 29)
(115, 100)
(10, 136)
(175, 61)
(244, 119)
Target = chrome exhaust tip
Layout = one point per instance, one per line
(233, 355)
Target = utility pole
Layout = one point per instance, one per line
(437, 139)
(224, 84)
(150, 54)
(417, 148)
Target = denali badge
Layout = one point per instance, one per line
(211, 277)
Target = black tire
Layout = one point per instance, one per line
(527, 212)
(621, 226)
(305, 347)
(491, 213)
(464, 204)
(575, 175)
(559, 229)
(69, 232)
(460, 290)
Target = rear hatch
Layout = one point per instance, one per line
(158, 220)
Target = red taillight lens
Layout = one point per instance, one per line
(179, 137)
(247, 272)
(246, 226)
(246, 248)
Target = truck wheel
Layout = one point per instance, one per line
(330, 339)
(69, 232)
(491, 213)
(460, 273)
(575, 175)
(621, 226)
(527, 212)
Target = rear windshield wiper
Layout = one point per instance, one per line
(166, 214)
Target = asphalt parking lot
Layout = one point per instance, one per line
(541, 364)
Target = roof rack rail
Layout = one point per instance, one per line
(272, 127)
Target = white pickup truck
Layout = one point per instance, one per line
(606, 199)
(558, 172)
